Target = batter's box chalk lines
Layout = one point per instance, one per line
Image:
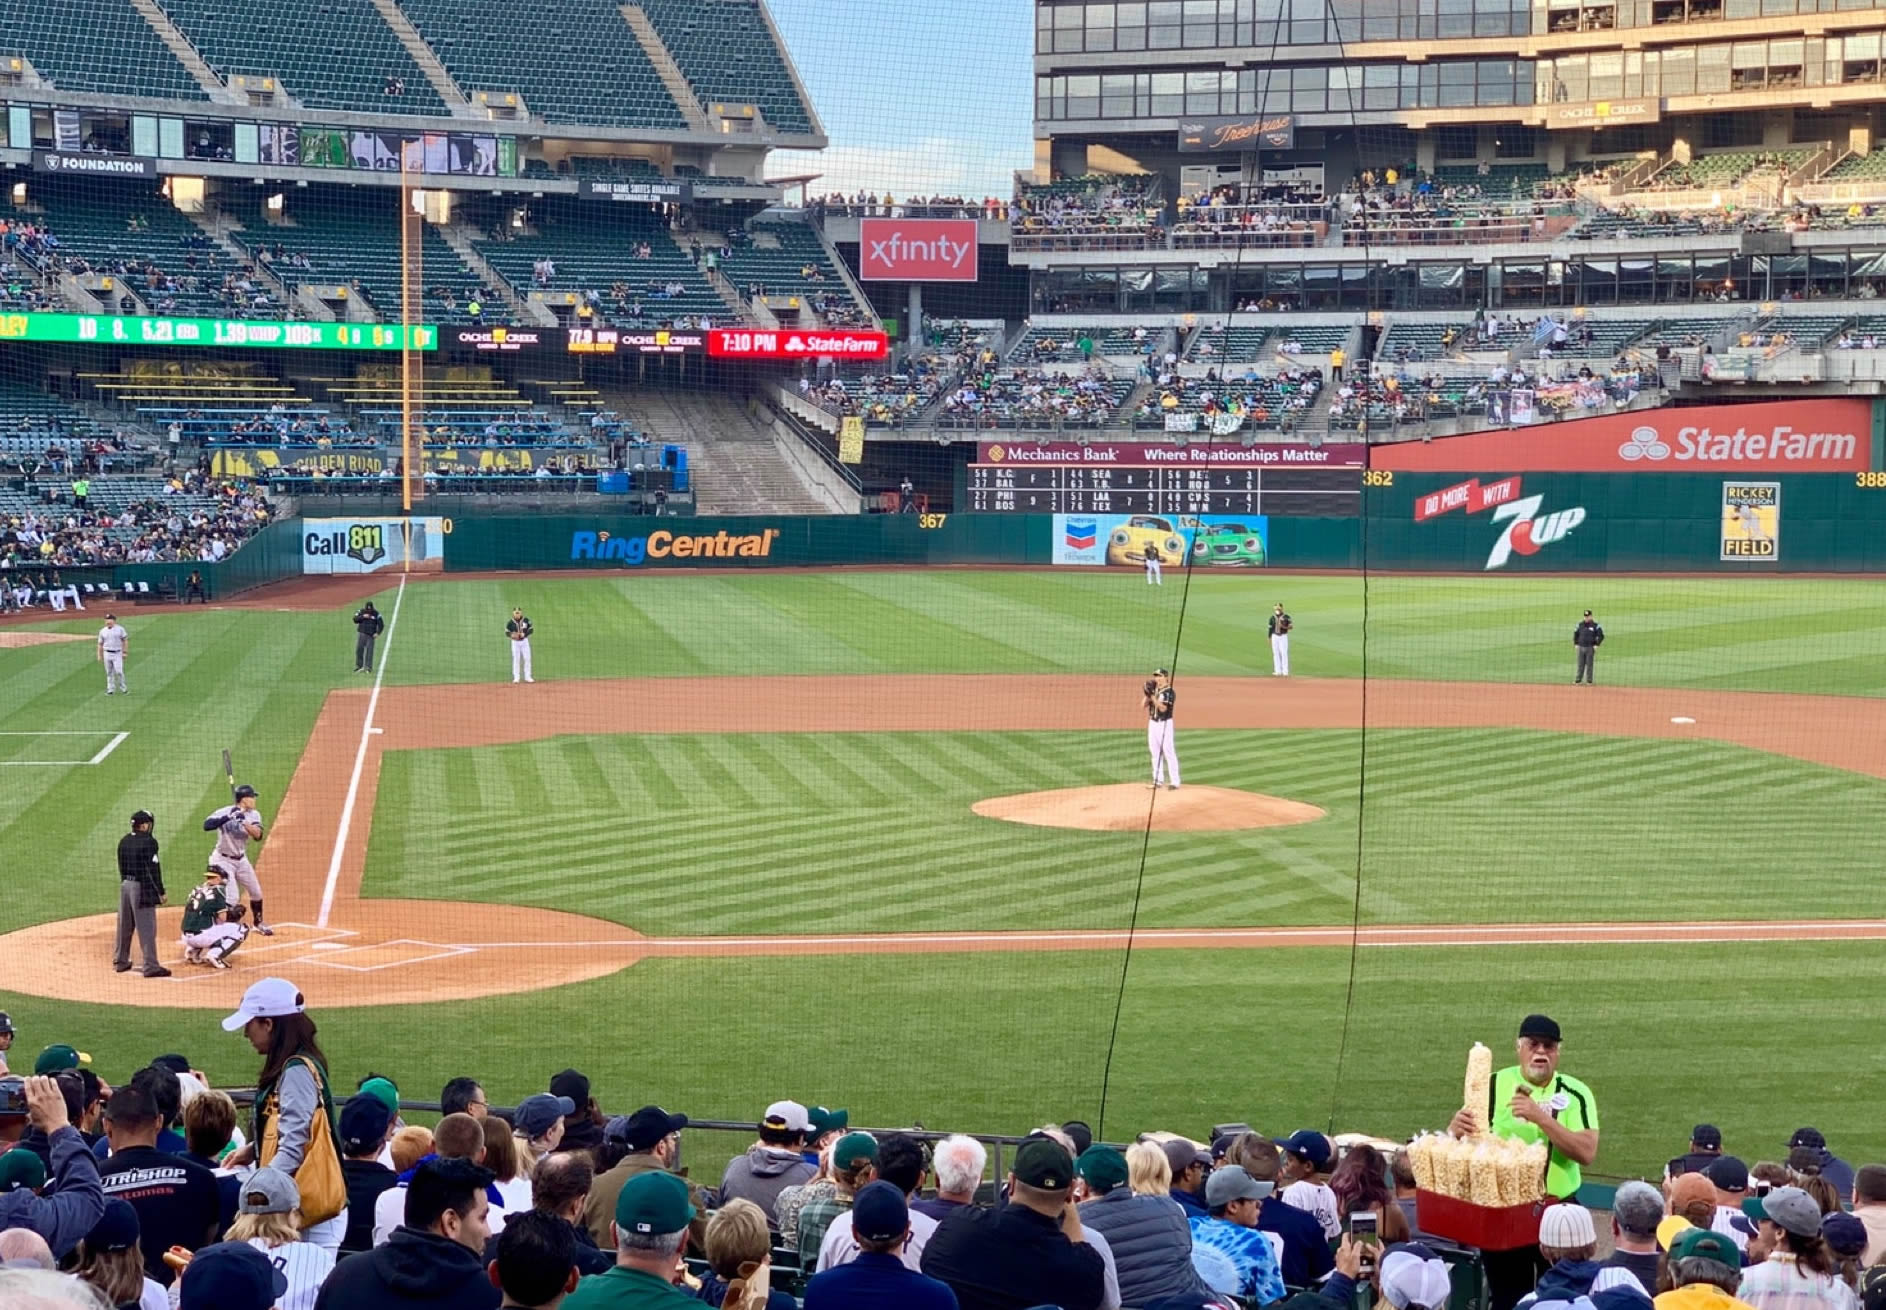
(333, 960)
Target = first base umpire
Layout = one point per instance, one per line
(368, 625)
(140, 892)
(1587, 637)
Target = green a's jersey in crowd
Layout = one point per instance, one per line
(207, 900)
(1566, 1099)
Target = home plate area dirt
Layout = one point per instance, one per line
(389, 952)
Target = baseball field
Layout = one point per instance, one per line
(735, 843)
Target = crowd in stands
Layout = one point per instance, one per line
(54, 449)
(1280, 400)
(1002, 397)
(163, 1191)
(1100, 205)
(208, 522)
(863, 204)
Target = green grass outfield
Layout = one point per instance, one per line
(785, 833)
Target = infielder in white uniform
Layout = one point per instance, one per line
(113, 642)
(519, 630)
(267, 1208)
(1159, 699)
(1280, 626)
(235, 827)
(208, 934)
(1153, 576)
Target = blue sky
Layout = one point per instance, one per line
(923, 98)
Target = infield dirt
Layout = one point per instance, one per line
(385, 952)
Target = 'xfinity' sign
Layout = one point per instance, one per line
(917, 249)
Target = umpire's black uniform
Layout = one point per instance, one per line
(367, 626)
(140, 888)
(1587, 637)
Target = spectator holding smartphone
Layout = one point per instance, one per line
(77, 1202)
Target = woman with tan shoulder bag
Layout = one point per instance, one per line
(294, 1108)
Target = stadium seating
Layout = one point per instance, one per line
(299, 45)
(1314, 338)
(1418, 340)
(1685, 332)
(31, 421)
(1606, 336)
(1501, 181)
(137, 234)
(1263, 402)
(727, 53)
(573, 61)
(1061, 345)
(595, 249)
(103, 47)
(1220, 345)
(1027, 398)
(1858, 168)
(779, 267)
(358, 240)
(1805, 331)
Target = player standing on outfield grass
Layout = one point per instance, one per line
(211, 923)
(1280, 625)
(519, 630)
(113, 642)
(1159, 700)
(1153, 559)
(235, 827)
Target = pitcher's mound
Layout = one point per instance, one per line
(1126, 806)
(20, 640)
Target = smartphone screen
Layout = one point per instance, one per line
(1365, 1226)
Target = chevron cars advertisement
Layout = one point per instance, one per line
(1123, 540)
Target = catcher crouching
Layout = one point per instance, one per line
(212, 923)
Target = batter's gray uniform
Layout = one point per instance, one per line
(112, 640)
(231, 856)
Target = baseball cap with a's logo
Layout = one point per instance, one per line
(1644, 443)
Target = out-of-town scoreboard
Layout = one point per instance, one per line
(1114, 477)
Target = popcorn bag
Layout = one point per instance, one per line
(1481, 1190)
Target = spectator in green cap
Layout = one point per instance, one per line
(1703, 1272)
(21, 1170)
(1131, 1208)
(57, 1059)
(827, 1127)
(651, 1230)
(854, 1163)
(1032, 1251)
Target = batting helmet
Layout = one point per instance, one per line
(142, 816)
(244, 790)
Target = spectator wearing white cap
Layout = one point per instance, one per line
(1568, 1240)
(293, 1101)
(1794, 1268)
(268, 1217)
(1412, 1277)
(772, 1163)
(1635, 1213)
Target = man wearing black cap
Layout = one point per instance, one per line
(6, 1038)
(140, 892)
(1534, 1102)
(1705, 1146)
(1586, 637)
(653, 1138)
(582, 1130)
(364, 1124)
(876, 1276)
(1031, 1251)
(1813, 1145)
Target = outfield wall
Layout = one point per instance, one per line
(1464, 522)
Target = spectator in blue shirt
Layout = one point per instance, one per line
(1228, 1250)
(1190, 1163)
(880, 1220)
(1307, 1256)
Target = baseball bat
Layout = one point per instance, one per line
(229, 771)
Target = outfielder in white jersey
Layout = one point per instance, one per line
(235, 827)
(1160, 700)
(113, 642)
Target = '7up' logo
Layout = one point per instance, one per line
(1524, 533)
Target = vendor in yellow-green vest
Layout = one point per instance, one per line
(1534, 1102)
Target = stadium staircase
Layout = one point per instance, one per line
(717, 279)
(523, 310)
(423, 55)
(736, 466)
(186, 53)
(665, 67)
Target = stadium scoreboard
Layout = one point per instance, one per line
(1126, 478)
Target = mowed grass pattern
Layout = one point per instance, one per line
(1458, 825)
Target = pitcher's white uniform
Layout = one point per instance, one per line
(112, 641)
(1280, 626)
(519, 630)
(1165, 753)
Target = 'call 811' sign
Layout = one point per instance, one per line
(374, 545)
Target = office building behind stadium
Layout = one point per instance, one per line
(1545, 154)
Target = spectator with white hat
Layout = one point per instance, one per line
(1412, 1277)
(772, 1163)
(1568, 1240)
